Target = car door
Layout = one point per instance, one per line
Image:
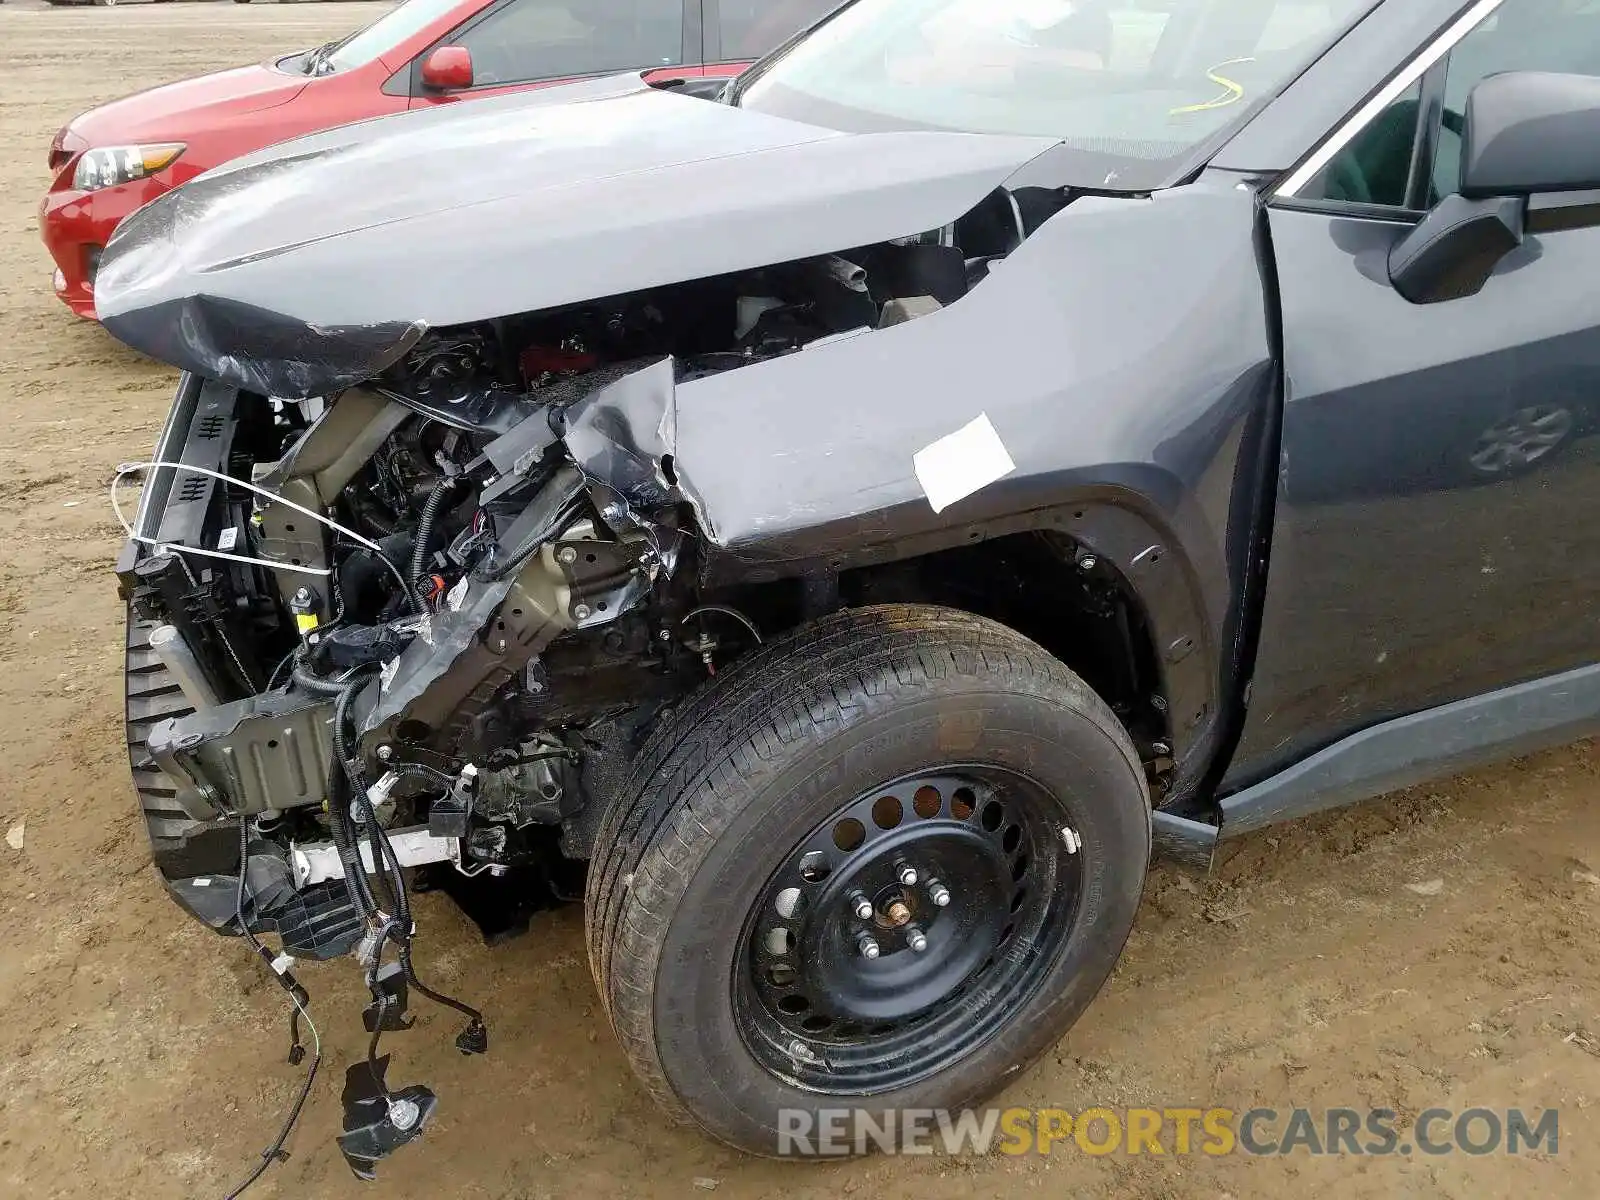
(1434, 535)
(517, 44)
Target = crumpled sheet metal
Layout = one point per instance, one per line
(261, 352)
(799, 458)
(625, 435)
(442, 639)
(220, 337)
(301, 268)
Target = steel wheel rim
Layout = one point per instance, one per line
(815, 1010)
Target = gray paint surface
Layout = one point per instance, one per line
(1079, 395)
(807, 460)
(1422, 746)
(1401, 576)
(327, 249)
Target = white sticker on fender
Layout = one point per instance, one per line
(961, 463)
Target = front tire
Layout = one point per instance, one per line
(728, 898)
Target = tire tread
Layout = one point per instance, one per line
(704, 761)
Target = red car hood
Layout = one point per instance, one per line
(172, 110)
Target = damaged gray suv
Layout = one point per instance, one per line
(844, 527)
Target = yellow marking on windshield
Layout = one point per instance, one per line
(1232, 92)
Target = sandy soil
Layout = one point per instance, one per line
(142, 1056)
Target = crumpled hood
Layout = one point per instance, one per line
(315, 263)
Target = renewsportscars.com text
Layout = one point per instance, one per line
(1167, 1131)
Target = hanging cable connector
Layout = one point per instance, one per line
(279, 966)
(378, 1122)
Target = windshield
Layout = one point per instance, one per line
(388, 31)
(1138, 84)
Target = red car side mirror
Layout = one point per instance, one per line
(447, 68)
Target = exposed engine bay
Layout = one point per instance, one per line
(424, 622)
(452, 516)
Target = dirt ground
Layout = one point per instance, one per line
(142, 1056)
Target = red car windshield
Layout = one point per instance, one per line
(388, 31)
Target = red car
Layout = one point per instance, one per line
(118, 157)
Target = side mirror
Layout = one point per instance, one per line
(1527, 133)
(1531, 132)
(447, 69)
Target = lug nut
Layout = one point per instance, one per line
(861, 906)
(908, 876)
(938, 893)
(868, 946)
(917, 940)
(803, 1052)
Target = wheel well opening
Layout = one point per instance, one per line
(1042, 585)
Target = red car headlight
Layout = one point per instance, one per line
(108, 166)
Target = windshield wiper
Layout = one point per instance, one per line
(319, 56)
